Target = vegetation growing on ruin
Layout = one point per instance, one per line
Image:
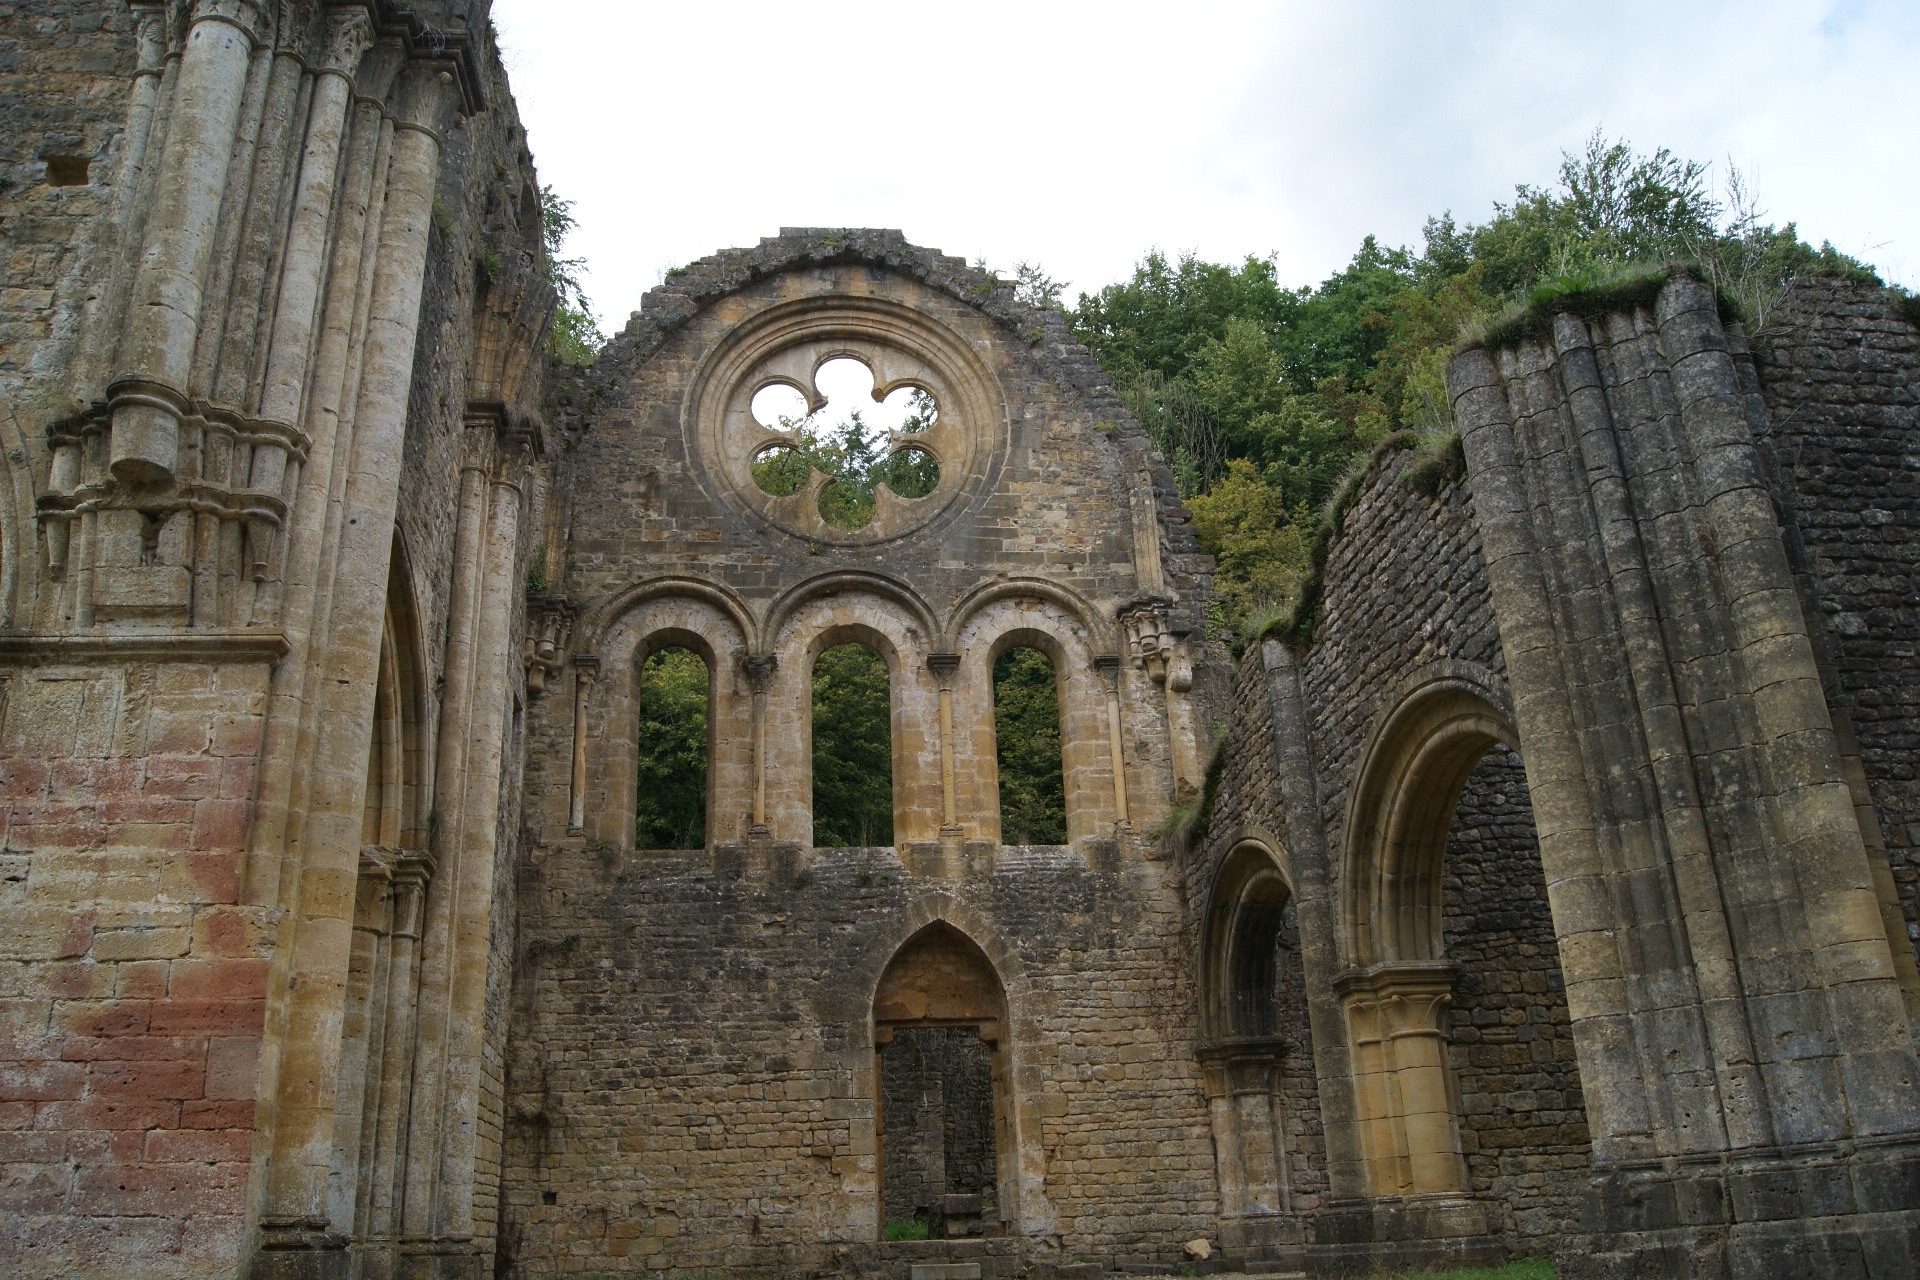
(1265, 399)
(575, 338)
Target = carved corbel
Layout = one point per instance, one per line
(550, 619)
(1149, 637)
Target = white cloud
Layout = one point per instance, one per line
(1078, 136)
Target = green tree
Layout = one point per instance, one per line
(1160, 320)
(853, 465)
(852, 749)
(1026, 726)
(672, 812)
(1259, 544)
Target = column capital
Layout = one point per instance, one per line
(246, 16)
(349, 36)
(943, 665)
(760, 668)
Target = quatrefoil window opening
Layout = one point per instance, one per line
(852, 439)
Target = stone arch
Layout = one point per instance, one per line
(653, 619)
(853, 581)
(1023, 1202)
(1441, 721)
(1251, 892)
(1397, 990)
(1053, 623)
(1245, 1049)
(1100, 637)
(898, 631)
(609, 613)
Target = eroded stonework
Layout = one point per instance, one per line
(1555, 896)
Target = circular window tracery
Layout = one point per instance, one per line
(851, 423)
(855, 438)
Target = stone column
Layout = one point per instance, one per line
(1216, 1078)
(1108, 664)
(1396, 1018)
(474, 869)
(306, 569)
(290, 357)
(943, 665)
(294, 1218)
(147, 397)
(380, 1217)
(760, 670)
(1317, 905)
(585, 670)
(443, 945)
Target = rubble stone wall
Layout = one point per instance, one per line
(1839, 365)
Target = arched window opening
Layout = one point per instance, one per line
(938, 1019)
(852, 749)
(1026, 724)
(1256, 1013)
(1256, 959)
(672, 772)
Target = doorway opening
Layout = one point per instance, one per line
(941, 1111)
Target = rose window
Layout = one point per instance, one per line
(857, 441)
(846, 424)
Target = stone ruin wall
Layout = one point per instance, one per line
(687, 1087)
(1839, 365)
(135, 968)
(670, 1044)
(691, 1076)
(1406, 593)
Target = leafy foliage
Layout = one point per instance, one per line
(1259, 545)
(851, 460)
(673, 752)
(852, 749)
(1026, 726)
(1262, 397)
(576, 338)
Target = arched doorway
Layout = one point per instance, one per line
(941, 1111)
(1254, 1014)
(1463, 1079)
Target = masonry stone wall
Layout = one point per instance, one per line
(327, 951)
(692, 1076)
(1405, 603)
(1839, 366)
(150, 744)
(937, 1123)
(694, 1070)
(1523, 1125)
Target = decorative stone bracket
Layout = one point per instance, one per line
(157, 546)
(550, 619)
(1155, 646)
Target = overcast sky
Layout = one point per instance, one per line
(1077, 136)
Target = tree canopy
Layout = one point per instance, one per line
(1262, 396)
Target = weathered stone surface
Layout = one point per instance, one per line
(1561, 893)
